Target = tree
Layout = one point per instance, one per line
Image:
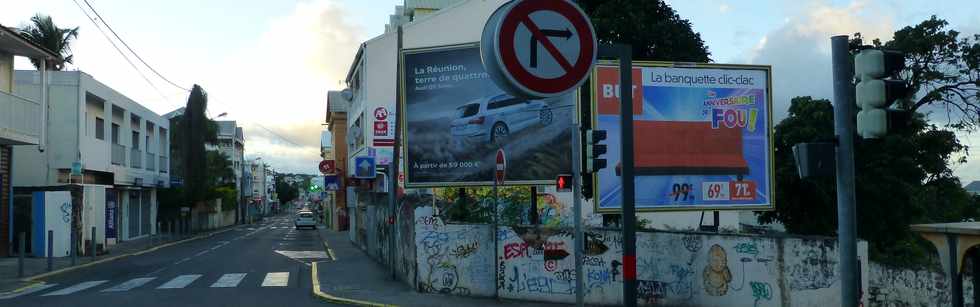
(194, 157)
(943, 69)
(652, 27)
(903, 178)
(43, 32)
(284, 190)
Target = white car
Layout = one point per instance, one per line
(490, 120)
(305, 219)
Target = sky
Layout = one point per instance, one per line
(269, 64)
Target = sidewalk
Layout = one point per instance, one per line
(353, 278)
(35, 267)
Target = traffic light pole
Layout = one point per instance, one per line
(577, 208)
(624, 53)
(844, 129)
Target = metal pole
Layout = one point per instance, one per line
(533, 213)
(20, 255)
(93, 243)
(629, 207)
(73, 249)
(577, 209)
(393, 167)
(976, 273)
(50, 250)
(955, 277)
(844, 129)
(493, 233)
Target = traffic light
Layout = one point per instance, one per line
(593, 150)
(878, 88)
(563, 183)
(587, 186)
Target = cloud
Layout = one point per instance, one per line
(282, 79)
(799, 50)
(724, 8)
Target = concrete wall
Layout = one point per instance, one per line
(898, 287)
(673, 268)
(93, 213)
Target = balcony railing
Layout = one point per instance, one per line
(20, 119)
(118, 154)
(151, 161)
(135, 158)
(164, 168)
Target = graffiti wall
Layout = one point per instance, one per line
(672, 268)
(898, 287)
(405, 240)
(453, 259)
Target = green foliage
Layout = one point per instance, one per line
(44, 32)
(902, 179)
(475, 205)
(284, 190)
(228, 196)
(220, 170)
(652, 27)
(193, 153)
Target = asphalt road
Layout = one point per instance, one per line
(265, 264)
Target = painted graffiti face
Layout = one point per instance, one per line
(716, 273)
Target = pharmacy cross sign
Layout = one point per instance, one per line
(538, 48)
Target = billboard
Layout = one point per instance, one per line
(702, 136)
(456, 118)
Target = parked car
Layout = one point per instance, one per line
(490, 120)
(305, 219)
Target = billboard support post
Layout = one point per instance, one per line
(393, 165)
(625, 54)
(844, 130)
(577, 208)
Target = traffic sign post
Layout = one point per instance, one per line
(558, 57)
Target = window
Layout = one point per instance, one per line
(115, 134)
(100, 128)
(136, 140)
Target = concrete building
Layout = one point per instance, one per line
(20, 124)
(336, 120)
(103, 147)
(231, 143)
(258, 206)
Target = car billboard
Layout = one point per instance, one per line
(456, 119)
(702, 136)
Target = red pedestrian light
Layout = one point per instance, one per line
(564, 183)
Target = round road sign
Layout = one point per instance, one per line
(328, 167)
(538, 48)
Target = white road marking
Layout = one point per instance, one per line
(130, 284)
(180, 281)
(76, 288)
(276, 279)
(302, 254)
(32, 289)
(202, 253)
(228, 280)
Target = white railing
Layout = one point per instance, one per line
(151, 161)
(20, 116)
(164, 168)
(135, 158)
(118, 154)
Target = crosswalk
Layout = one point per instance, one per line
(230, 280)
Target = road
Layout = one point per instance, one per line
(264, 264)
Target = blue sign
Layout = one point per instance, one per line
(364, 167)
(110, 214)
(331, 183)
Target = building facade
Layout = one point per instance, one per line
(336, 120)
(20, 124)
(108, 150)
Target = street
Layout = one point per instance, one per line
(265, 264)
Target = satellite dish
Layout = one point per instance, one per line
(347, 94)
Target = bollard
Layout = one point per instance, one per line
(50, 250)
(93, 243)
(20, 255)
(159, 237)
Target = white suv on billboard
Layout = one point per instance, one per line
(490, 120)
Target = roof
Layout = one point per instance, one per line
(973, 186)
(12, 42)
(174, 113)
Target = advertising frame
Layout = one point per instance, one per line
(593, 97)
(406, 141)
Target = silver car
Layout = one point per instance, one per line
(490, 120)
(305, 219)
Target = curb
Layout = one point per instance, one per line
(34, 279)
(339, 300)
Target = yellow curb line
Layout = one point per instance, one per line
(340, 300)
(329, 251)
(30, 284)
(113, 258)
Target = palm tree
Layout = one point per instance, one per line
(43, 32)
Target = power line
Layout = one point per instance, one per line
(155, 88)
(131, 49)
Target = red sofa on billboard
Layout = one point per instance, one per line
(686, 148)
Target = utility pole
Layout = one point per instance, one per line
(393, 167)
(843, 72)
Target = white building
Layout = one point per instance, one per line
(20, 126)
(260, 196)
(118, 148)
